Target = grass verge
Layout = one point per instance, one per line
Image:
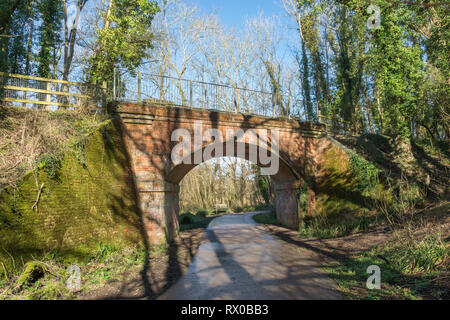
(266, 218)
(413, 270)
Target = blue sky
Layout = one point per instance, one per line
(232, 13)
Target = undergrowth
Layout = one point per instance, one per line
(38, 137)
(412, 269)
(266, 218)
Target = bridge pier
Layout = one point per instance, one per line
(286, 206)
(158, 202)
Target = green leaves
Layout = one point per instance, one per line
(124, 39)
(366, 172)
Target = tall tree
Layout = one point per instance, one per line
(8, 10)
(297, 10)
(49, 37)
(70, 34)
(397, 67)
(124, 38)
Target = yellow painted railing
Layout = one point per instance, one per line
(16, 87)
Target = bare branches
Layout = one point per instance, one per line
(230, 181)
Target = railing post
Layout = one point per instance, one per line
(114, 83)
(104, 93)
(273, 104)
(234, 100)
(263, 102)
(161, 88)
(139, 87)
(206, 98)
(203, 90)
(48, 96)
(190, 93)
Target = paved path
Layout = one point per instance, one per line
(240, 261)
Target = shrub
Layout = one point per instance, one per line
(366, 172)
(398, 204)
(202, 213)
(104, 251)
(237, 209)
(51, 164)
(185, 219)
(266, 218)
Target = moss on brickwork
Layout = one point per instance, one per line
(88, 198)
(343, 203)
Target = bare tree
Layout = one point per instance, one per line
(225, 180)
(180, 27)
(266, 36)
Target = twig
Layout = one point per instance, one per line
(35, 205)
(6, 273)
(383, 258)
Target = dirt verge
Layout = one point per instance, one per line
(149, 282)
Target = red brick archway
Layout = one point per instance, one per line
(147, 132)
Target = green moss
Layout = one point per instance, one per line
(33, 271)
(344, 198)
(91, 201)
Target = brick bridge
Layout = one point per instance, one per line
(147, 132)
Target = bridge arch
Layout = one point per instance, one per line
(148, 132)
(285, 178)
(176, 172)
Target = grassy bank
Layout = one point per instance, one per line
(47, 278)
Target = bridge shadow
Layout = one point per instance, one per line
(237, 264)
(160, 271)
(345, 252)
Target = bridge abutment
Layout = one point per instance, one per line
(286, 206)
(159, 205)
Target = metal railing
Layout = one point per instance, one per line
(169, 91)
(46, 93)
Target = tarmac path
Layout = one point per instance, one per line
(240, 261)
